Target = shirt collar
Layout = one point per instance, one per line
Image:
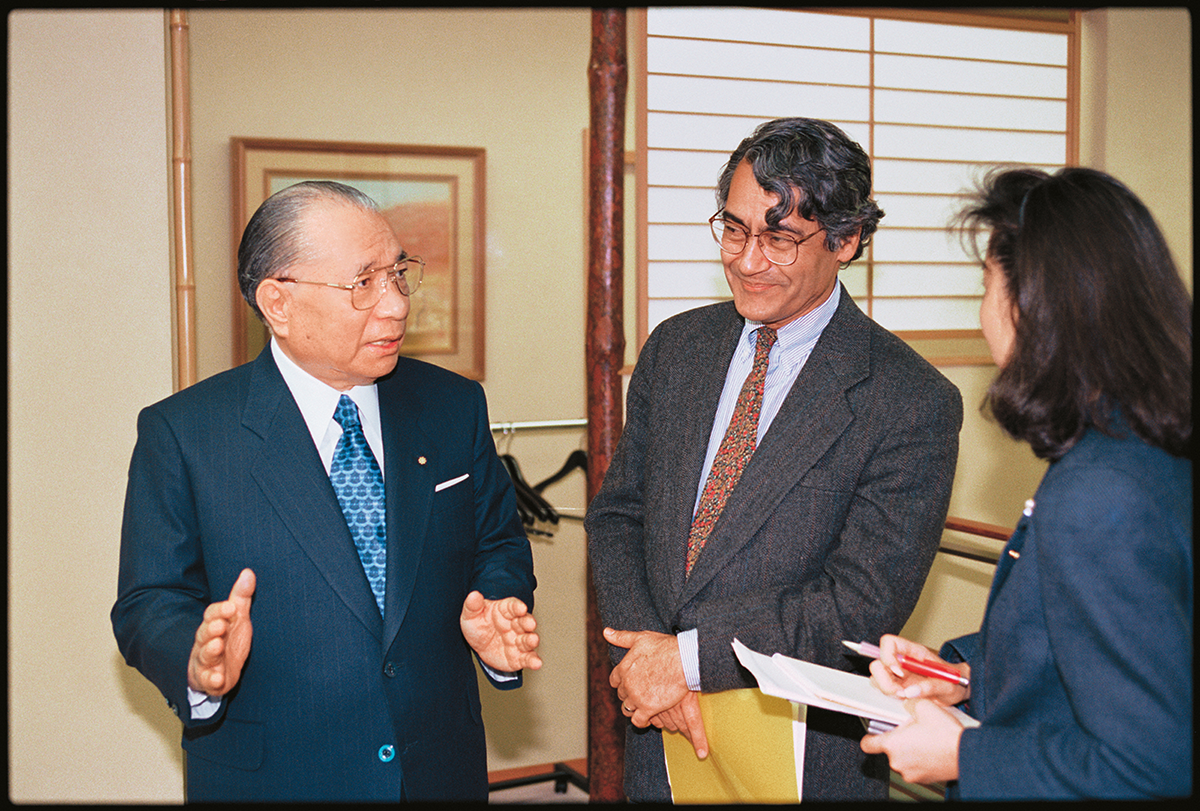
(800, 335)
(317, 400)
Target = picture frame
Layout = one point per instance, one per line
(433, 196)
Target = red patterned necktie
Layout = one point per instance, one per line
(736, 448)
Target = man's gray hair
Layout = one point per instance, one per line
(274, 237)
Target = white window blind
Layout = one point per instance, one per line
(933, 104)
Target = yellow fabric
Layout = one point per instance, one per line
(751, 757)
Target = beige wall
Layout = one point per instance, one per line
(88, 188)
(1137, 112)
(89, 343)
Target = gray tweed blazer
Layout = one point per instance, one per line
(829, 534)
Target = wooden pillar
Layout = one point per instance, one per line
(181, 195)
(607, 77)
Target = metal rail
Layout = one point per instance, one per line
(509, 427)
(979, 529)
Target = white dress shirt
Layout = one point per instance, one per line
(317, 401)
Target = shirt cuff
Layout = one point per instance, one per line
(689, 655)
(499, 675)
(203, 705)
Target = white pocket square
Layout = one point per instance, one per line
(451, 482)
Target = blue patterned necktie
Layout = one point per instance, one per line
(358, 484)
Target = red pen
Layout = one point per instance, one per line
(922, 667)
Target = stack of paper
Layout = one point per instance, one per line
(818, 686)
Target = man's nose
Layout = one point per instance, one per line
(751, 260)
(393, 303)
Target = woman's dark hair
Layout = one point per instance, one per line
(1104, 322)
(815, 170)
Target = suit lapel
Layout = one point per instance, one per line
(813, 415)
(695, 396)
(408, 454)
(292, 478)
(1009, 558)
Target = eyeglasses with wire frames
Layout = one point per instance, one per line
(367, 288)
(776, 246)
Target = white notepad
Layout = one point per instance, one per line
(818, 686)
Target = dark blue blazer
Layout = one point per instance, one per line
(1082, 672)
(335, 701)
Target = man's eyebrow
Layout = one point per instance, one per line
(784, 227)
(400, 257)
(778, 227)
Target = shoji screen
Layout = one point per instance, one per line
(933, 103)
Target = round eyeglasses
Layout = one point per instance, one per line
(367, 288)
(776, 246)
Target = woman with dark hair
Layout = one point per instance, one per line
(1081, 676)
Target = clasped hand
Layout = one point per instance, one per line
(923, 749)
(501, 632)
(651, 686)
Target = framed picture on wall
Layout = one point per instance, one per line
(433, 197)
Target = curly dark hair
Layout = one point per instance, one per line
(1104, 322)
(815, 170)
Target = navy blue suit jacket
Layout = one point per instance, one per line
(1082, 672)
(225, 476)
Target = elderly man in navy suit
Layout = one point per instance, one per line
(784, 471)
(353, 501)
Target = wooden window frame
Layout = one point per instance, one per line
(941, 347)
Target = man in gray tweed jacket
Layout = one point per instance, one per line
(831, 529)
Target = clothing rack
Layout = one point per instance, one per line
(508, 427)
(533, 499)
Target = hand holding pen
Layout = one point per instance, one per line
(908, 670)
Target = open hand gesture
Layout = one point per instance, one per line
(223, 640)
(501, 632)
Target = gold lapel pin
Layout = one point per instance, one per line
(421, 460)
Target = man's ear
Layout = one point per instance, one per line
(274, 302)
(846, 252)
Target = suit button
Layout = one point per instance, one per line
(389, 670)
(387, 752)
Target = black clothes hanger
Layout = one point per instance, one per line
(524, 508)
(523, 504)
(577, 460)
(530, 503)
